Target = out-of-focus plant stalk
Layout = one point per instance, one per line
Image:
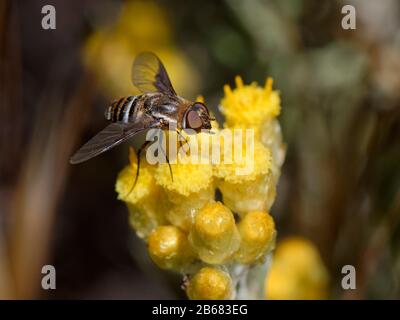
(40, 186)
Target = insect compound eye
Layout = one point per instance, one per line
(193, 120)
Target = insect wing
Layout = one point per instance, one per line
(109, 137)
(150, 75)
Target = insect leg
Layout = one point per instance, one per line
(180, 142)
(169, 165)
(166, 157)
(181, 135)
(138, 154)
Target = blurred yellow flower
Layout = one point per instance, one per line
(145, 22)
(141, 26)
(297, 272)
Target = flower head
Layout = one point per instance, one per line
(249, 106)
(141, 26)
(248, 167)
(246, 183)
(186, 178)
(179, 216)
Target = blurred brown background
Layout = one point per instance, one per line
(340, 93)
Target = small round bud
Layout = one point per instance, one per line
(210, 284)
(169, 248)
(257, 232)
(214, 234)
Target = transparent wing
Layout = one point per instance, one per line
(149, 74)
(109, 137)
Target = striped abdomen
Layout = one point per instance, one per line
(122, 109)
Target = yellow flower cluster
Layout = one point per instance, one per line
(297, 272)
(191, 228)
(140, 26)
(257, 108)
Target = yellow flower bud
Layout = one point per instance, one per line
(169, 248)
(214, 234)
(257, 232)
(210, 284)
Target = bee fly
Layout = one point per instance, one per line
(158, 107)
